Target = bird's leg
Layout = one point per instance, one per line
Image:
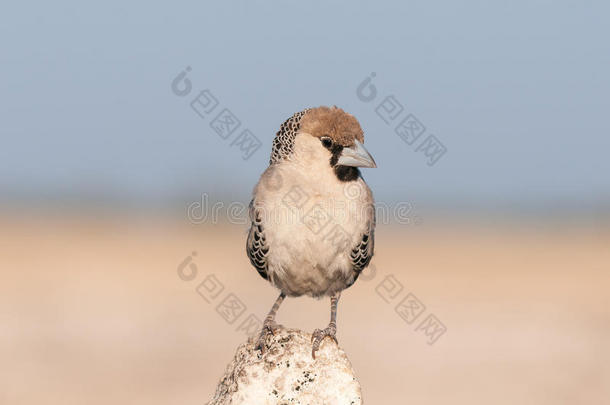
(331, 331)
(269, 324)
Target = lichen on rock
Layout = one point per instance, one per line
(287, 374)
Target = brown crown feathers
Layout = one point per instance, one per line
(333, 122)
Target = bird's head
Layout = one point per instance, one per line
(325, 135)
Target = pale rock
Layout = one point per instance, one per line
(287, 374)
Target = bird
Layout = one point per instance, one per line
(312, 214)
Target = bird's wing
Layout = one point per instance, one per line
(362, 253)
(256, 246)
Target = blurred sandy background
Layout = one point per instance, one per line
(102, 149)
(93, 311)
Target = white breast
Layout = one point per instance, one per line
(311, 222)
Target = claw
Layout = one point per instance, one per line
(319, 335)
(269, 328)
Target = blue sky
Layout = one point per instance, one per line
(516, 92)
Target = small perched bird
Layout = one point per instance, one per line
(312, 213)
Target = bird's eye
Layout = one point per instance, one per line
(326, 141)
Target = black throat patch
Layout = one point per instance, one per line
(343, 173)
(347, 173)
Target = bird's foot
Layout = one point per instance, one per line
(318, 336)
(269, 328)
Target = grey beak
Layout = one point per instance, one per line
(356, 156)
